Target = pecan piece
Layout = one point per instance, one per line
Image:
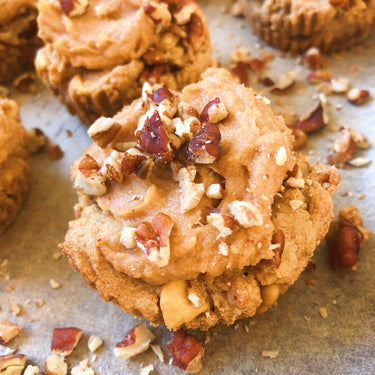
(223, 223)
(313, 58)
(204, 148)
(152, 137)
(135, 161)
(214, 111)
(153, 239)
(74, 8)
(136, 341)
(12, 364)
(159, 14)
(187, 351)
(240, 70)
(56, 365)
(8, 331)
(245, 213)
(345, 238)
(103, 131)
(278, 243)
(313, 120)
(64, 340)
(195, 31)
(357, 96)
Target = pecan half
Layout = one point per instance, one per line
(153, 139)
(187, 352)
(204, 148)
(153, 239)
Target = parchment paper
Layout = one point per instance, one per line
(343, 343)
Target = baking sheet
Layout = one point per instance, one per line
(343, 343)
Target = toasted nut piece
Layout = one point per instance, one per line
(257, 65)
(83, 368)
(8, 331)
(215, 191)
(278, 239)
(285, 81)
(159, 14)
(166, 102)
(127, 237)
(340, 85)
(103, 131)
(187, 352)
(241, 71)
(152, 136)
(298, 183)
(195, 31)
(153, 239)
(214, 111)
(136, 341)
(94, 343)
(54, 152)
(187, 128)
(204, 148)
(223, 223)
(135, 161)
(357, 96)
(32, 370)
(313, 58)
(175, 306)
(55, 365)
(360, 139)
(269, 353)
(191, 193)
(183, 16)
(74, 8)
(345, 148)
(12, 364)
(89, 180)
(112, 167)
(300, 138)
(245, 213)
(240, 54)
(313, 120)
(64, 340)
(345, 238)
(281, 157)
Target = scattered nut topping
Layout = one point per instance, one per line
(240, 70)
(12, 364)
(183, 16)
(54, 284)
(323, 312)
(357, 96)
(152, 137)
(112, 167)
(319, 75)
(359, 162)
(285, 81)
(89, 180)
(159, 14)
(127, 237)
(83, 368)
(74, 8)
(245, 213)
(103, 131)
(32, 370)
(8, 331)
(39, 303)
(64, 340)
(166, 102)
(55, 365)
(345, 238)
(94, 343)
(16, 309)
(204, 148)
(186, 111)
(223, 223)
(137, 162)
(191, 193)
(157, 350)
(214, 111)
(187, 352)
(313, 58)
(340, 85)
(313, 120)
(281, 157)
(153, 239)
(54, 152)
(215, 191)
(270, 353)
(136, 341)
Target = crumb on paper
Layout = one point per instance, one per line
(323, 312)
(157, 350)
(270, 353)
(54, 284)
(146, 370)
(16, 309)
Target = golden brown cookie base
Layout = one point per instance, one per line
(234, 295)
(293, 26)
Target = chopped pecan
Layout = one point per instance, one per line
(136, 341)
(245, 213)
(313, 120)
(12, 364)
(64, 340)
(166, 101)
(300, 138)
(8, 331)
(187, 352)
(74, 8)
(222, 222)
(183, 15)
(111, 167)
(204, 148)
(357, 96)
(215, 191)
(278, 243)
(103, 131)
(285, 82)
(54, 152)
(152, 137)
(186, 111)
(195, 31)
(340, 85)
(214, 111)
(313, 58)
(345, 238)
(240, 70)
(135, 161)
(153, 239)
(257, 65)
(89, 180)
(159, 14)
(56, 365)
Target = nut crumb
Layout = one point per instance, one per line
(54, 284)
(323, 312)
(16, 309)
(270, 353)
